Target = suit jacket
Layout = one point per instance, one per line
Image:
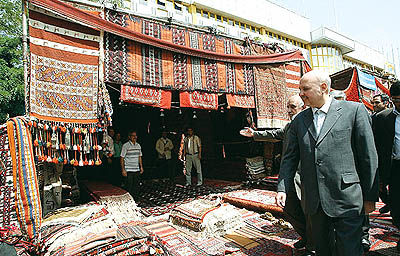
(383, 125)
(338, 167)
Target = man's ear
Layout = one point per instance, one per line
(324, 88)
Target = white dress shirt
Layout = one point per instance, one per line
(320, 115)
(396, 142)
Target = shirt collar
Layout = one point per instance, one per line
(325, 107)
(132, 143)
(397, 113)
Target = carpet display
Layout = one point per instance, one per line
(27, 197)
(255, 199)
(146, 96)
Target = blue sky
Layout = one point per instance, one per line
(374, 23)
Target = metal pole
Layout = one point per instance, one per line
(25, 53)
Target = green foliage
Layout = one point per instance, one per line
(11, 68)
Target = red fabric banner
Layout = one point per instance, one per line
(240, 101)
(352, 90)
(146, 96)
(197, 99)
(382, 87)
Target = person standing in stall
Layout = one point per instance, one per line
(132, 164)
(164, 148)
(192, 153)
(116, 160)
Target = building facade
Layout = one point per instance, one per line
(324, 48)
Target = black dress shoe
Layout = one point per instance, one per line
(307, 253)
(366, 244)
(300, 244)
(384, 209)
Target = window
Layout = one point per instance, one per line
(253, 29)
(177, 7)
(237, 23)
(270, 35)
(212, 16)
(242, 26)
(204, 14)
(159, 2)
(219, 18)
(230, 22)
(198, 11)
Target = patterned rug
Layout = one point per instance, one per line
(198, 100)
(240, 101)
(146, 96)
(271, 96)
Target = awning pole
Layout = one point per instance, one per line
(25, 53)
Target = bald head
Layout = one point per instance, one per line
(295, 105)
(314, 88)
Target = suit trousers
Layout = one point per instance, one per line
(339, 236)
(300, 222)
(190, 161)
(394, 193)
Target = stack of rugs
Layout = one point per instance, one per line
(207, 218)
(116, 200)
(254, 199)
(255, 168)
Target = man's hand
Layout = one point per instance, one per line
(369, 206)
(247, 132)
(199, 156)
(124, 173)
(281, 199)
(141, 170)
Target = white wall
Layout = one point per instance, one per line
(368, 55)
(264, 13)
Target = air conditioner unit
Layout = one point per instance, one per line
(188, 19)
(153, 11)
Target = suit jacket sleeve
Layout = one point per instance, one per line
(290, 161)
(366, 156)
(270, 135)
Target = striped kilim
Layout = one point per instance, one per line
(64, 69)
(29, 209)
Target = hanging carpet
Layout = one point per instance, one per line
(240, 101)
(146, 96)
(64, 69)
(197, 99)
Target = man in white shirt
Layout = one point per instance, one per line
(164, 148)
(131, 164)
(192, 153)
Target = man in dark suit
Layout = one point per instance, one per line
(386, 127)
(334, 142)
(293, 207)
